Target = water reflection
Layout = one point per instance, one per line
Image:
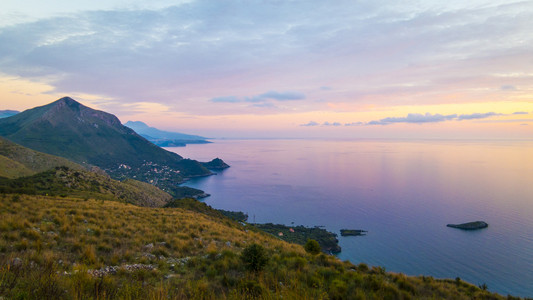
(402, 192)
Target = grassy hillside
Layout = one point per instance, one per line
(13, 169)
(17, 161)
(62, 181)
(74, 248)
(300, 234)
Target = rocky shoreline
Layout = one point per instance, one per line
(353, 232)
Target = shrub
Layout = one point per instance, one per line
(312, 247)
(362, 267)
(313, 281)
(15, 198)
(297, 263)
(251, 288)
(89, 255)
(337, 289)
(404, 285)
(390, 292)
(254, 257)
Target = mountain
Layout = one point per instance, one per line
(17, 161)
(69, 129)
(142, 128)
(164, 138)
(7, 113)
(91, 137)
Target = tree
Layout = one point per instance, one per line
(254, 257)
(312, 247)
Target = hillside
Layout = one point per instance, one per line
(300, 235)
(13, 169)
(62, 181)
(33, 172)
(164, 138)
(72, 248)
(90, 137)
(17, 161)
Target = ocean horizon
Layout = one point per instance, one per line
(403, 192)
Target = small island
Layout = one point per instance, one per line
(353, 232)
(470, 225)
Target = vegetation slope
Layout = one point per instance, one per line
(79, 248)
(62, 181)
(17, 161)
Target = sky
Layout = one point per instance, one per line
(279, 69)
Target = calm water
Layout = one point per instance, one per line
(403, 193)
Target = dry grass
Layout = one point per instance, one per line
(50, 248)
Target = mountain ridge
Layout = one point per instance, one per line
(143, 128)
(163, 138)
(68, 129)
(8, 113)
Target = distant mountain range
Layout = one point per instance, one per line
(143, 129)
(7, 113)
(90, 137)
(164, 138)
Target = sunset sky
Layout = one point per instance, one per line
(320, 69)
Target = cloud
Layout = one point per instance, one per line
(520, 113)
(332, 124)
(508, 88)
(327, 124)
(281, 96)
(262, 98)
(230, 99)
(505, 121)
(354, 124)
(424, 118)
(311, 123)
(478, 116)
(264, 105)
(414, 118)
(183, 55)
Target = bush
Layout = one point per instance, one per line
(337, 289)
(312, 247)
(251, 288)
(254, 257)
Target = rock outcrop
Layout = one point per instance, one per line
(470, 225)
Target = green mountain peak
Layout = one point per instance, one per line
(91, 137)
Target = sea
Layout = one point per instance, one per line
(403, 192)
